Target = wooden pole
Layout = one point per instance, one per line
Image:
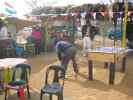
(125, 24)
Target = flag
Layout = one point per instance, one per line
(7, 4)
(9, 9)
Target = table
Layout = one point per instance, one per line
(108, 55)
(8, 63)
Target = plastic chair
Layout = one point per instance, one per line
(56, 87)
(20, 80)
(1, 81)
(19, 50)
(30, 47)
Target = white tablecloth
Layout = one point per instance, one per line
(110, 50)
(11, 62)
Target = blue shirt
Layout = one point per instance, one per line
(61, 46)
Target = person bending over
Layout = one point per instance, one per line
(66, 52)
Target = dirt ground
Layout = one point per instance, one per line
(81, 88)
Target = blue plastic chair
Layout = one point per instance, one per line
(56, 87)
(20, 79)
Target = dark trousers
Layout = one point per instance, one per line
(5, 43)
(38, 46)
(69, 54)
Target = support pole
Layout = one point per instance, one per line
(125, 24)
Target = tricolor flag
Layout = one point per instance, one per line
(9, 9)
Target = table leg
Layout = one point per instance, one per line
(90, 70)
(112, 73)
(123, 64)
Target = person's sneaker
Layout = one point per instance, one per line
(66, 76)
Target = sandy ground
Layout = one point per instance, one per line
(81, 88)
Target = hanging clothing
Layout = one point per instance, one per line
(37, 35)
(87, 44)
(3, 33)
(83, 21)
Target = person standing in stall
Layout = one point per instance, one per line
(36, 33)
(87, 42)
(4, 37)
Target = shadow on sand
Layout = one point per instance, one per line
(124, 86)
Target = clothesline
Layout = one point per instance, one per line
(82, 13)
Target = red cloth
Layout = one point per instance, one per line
(36, 35)
(21, 93)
